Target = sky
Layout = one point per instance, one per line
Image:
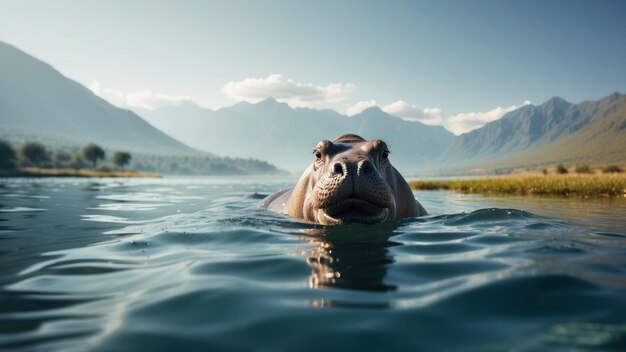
(460, 64)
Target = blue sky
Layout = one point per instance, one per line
(434, 60)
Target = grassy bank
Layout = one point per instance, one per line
(41, 172)
(567, 185)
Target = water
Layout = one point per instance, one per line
(193, 264)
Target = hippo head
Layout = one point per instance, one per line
(352, 180)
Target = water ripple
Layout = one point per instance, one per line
(20, 209)
(158, 267)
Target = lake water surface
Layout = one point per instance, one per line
(194, 264)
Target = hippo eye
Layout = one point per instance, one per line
(318, 154)
(385, 155)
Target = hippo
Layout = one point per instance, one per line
(351, 180)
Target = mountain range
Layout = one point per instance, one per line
(591, 132)
(37, 99)
(286, 136)
(38, 103)
(532, 136)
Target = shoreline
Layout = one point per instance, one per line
(40, 172)
(582, 185)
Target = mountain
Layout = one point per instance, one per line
(39, 104)
(413, 144)
(285, 136)
(601, 141)
(554, 132)
(35, 99)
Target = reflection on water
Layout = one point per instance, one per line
(194, 264)
(351, 257)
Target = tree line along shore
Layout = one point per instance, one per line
(35, 160)
(580, 182)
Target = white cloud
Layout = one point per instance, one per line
(144, 99)
(465, 122)
(150, 100)
(360, 106)
(457, 124)
(429, 116)
(113, 96)
(287, 91)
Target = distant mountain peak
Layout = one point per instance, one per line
(374, 110)
(269, 105)
(574, 130)
(556, 104)
(270, 101)
(556, 100)
(238, 105)
(615, 95)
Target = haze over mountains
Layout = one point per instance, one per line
(37, 103)
(35, 99)
(531, 136)
(285, 136)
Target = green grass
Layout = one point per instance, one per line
(41, 172)
(566, 185)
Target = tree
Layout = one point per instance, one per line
(93, 153)
(61, 158)
(611, 169)
(7, 156)
(34, 153)
(121, 158)
(583, 169)
(561, 169)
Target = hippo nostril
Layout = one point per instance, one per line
(364, 167)
(337, 169)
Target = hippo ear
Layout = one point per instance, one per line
(406, 205)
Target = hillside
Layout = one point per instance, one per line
(38, 103)
(35, 99)
(601, 142)
(554, 132)
(519, 130)
(284, 136)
